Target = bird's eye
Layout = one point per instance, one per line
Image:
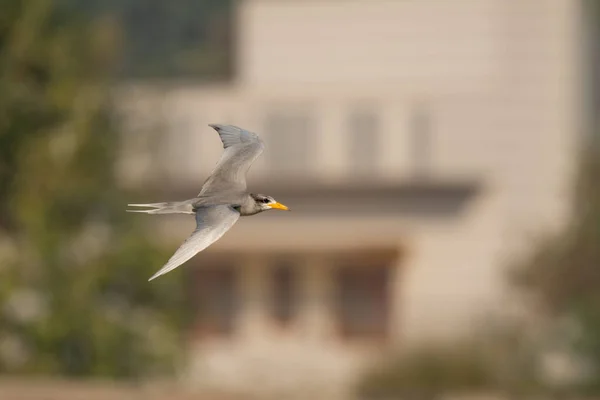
(265, 201)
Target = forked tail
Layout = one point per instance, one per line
(173, 207)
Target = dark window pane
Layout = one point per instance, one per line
(363, 301)
(283, 300)
(421, 141)
(363, 133)
(290, 142)
(217, 301)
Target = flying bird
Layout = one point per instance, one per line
(222, 199)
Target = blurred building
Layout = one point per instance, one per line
(419, 145)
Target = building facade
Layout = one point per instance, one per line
(419, 144)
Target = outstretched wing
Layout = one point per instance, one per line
(241, 148)
(211, 223)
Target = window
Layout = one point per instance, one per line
(363, 138)
(216, 298)
(421, 141)
(180, 141)
(290, 141)
(284, 295)
(362, 301)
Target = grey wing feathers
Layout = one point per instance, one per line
(211, 223)
(241, 148)
(232, 198)
(232, 135)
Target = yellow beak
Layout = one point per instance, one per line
(279, 206)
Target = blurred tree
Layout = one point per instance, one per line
(73, 265)
(564, 270)
(427, 374)
(497, 359)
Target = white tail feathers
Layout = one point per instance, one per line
(152, 205)
(178, 207)
(155, 208)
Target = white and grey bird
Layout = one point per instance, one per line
(222, 199)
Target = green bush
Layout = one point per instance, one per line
(426, 374)
(563, 271)
(499, 359)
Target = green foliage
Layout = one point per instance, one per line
(73, 264)
(499, 361)
(426, 374)
(564, 270)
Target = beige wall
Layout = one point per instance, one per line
(370, 42)
(499, 77)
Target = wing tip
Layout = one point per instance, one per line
(224, 127)
(217, 127)
(156, 275)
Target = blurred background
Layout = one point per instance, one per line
(440, 158)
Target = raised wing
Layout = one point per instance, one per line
(241, 148)
(211, 223)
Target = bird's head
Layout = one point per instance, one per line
(264, 203)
